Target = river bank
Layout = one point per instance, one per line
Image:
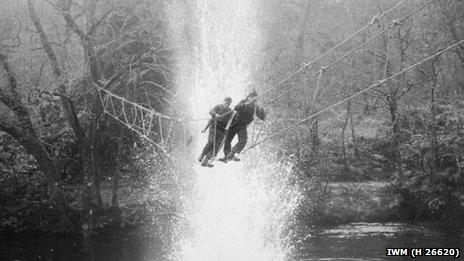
(341, 203)
(359, 202)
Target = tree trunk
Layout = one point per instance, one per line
(18, 124)
(114, 198)
(117, 169)
(92, 162)
(353, 133)
(315, 142)
(36, 148)
(91, 195)
(88, 205)
(345, 157)
(95, 161)
(433, 130)
(395, 139)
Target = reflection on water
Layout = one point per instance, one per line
(356, 241)
(367, 241)
(127, 245)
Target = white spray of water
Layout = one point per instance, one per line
(237, 213)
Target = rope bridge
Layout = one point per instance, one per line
(153, 126)
(157, 127)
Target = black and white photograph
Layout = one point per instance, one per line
(231, 130)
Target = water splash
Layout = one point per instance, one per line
(236, 212)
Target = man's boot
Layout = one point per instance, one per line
(226, 157)
(205, 162)
(230, 156)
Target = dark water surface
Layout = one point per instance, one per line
(126, 245)
(355, 241)
(368, 241)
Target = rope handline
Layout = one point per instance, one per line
(374, 20)
(259, 132)
(253, 138)
(143, 121)
(150, 123)
(393, 25)
(134, 120)
(226, 130)
(168, 134)
(124, 100)
(160, 127)
(379, 83)
(124, 114)
(101, 100)
(111, 103)
(214, 137)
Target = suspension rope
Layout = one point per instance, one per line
(259, 132)
(362, 29)
(379, 83)
(158, 114)
(394, 24)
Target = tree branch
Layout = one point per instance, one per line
(94, 26)
(66, 103)
(13, 102)
(43, 38)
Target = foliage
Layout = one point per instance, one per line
(23, 191)
(432, 183)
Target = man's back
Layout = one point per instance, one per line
(246, 111)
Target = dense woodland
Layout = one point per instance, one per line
(408, 131)
(65, 165)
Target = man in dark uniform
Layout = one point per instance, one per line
(245, 111)
(217, 125)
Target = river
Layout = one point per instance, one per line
(355, 241)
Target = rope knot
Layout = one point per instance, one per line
(375, 19)
(397, 22)
(381, 82)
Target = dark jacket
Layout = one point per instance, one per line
(245, 113)
(221, 110)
